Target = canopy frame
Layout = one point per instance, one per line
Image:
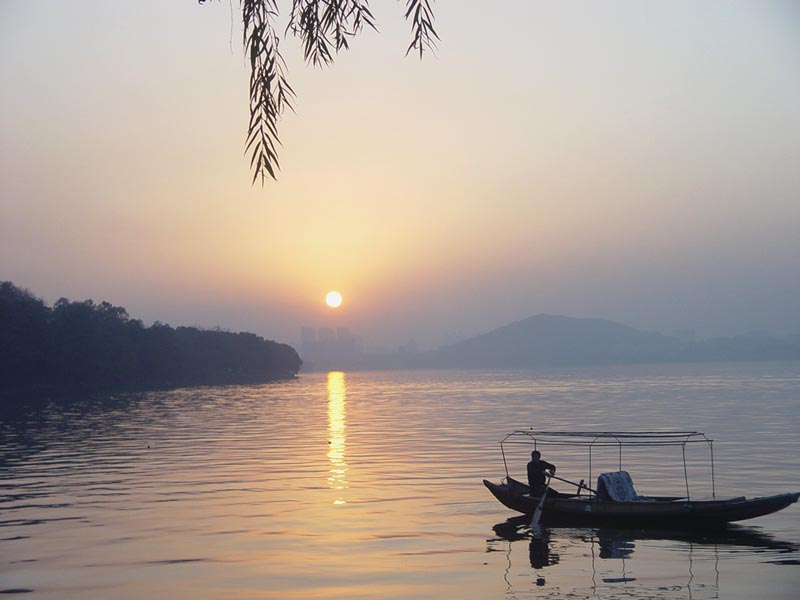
(619, 439)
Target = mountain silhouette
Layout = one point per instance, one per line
(551, 340)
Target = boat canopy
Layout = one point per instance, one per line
(619, 439)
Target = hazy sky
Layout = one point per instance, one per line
(638, 161)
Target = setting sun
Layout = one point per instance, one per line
(333, 299)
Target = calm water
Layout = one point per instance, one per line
(368, 485)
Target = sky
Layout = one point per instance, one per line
(635, 161)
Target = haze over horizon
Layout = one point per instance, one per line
(636, 162)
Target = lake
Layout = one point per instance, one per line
(368, 485)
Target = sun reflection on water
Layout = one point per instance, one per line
(337, 432)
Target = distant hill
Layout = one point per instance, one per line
(550, 340)
(753, 346)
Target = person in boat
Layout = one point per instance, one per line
(536, 474)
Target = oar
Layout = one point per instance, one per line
(580, 486)
(537, 514)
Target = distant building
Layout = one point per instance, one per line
(326, 348)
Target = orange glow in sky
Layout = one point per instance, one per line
(599, 170)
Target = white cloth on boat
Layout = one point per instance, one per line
(618, 487)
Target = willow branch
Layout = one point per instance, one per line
(325, 27)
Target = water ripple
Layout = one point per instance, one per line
(368, 484)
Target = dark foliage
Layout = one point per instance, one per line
(89, 345)
(325, 27)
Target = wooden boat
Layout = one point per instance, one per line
(603, 509)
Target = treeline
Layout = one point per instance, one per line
(89, 345)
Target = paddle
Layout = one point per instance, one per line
(580, 485)
(537, 514)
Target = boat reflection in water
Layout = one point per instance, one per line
(337, 433)
(613, 563)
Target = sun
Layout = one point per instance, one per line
(333, 299)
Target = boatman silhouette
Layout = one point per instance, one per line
(536, 476)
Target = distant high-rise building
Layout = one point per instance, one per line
(326, 347)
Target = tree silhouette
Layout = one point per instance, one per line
(325, 28)
(89, 345)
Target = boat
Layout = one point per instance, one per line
(614, 502)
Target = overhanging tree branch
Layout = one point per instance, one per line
(324, 27)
